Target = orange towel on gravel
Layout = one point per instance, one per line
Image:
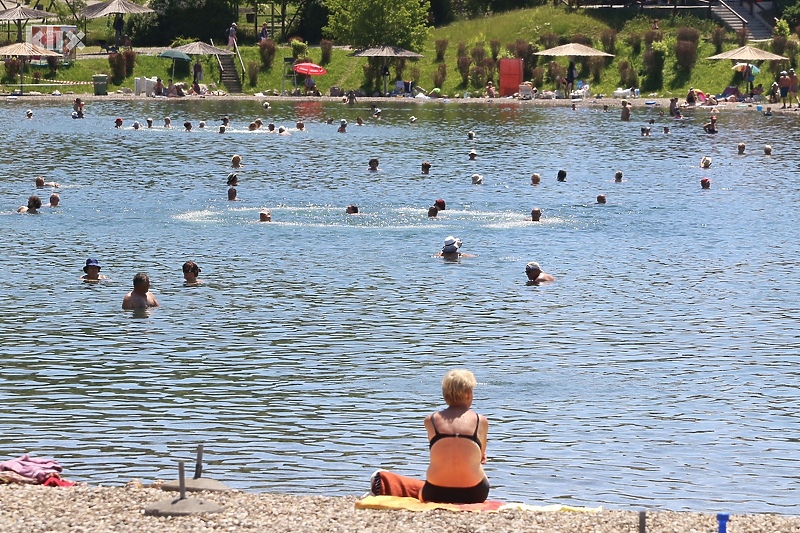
(396, 485)
(413, 504)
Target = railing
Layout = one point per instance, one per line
(239, 55)
(737, 15)
(219, 63)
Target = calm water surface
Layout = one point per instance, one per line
(660, 370)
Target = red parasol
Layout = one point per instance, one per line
(309, 69)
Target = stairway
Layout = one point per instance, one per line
(230, 74)
(757, 29)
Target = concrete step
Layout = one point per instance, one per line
(757, 28)
(230, 74)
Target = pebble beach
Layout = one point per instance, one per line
(38, 509)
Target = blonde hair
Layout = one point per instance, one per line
(457, 386)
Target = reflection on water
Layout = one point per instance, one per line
(659, 370)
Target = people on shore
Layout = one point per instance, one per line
(490, 90)
(793, 82)
(536, 275)
(91, 271)
(457, 441)
(691, 97)
(784, 84)
(190, 272)
(140, 297)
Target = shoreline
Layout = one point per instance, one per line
(35, 508)
(613, 103)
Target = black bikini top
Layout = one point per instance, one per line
(474, 437)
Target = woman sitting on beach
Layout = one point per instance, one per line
(457, 437)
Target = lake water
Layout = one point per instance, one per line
(660, 370)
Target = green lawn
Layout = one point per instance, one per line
(347, 72)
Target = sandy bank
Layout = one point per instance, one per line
(35, 509)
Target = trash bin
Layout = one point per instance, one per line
(100, 84)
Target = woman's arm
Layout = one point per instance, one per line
(483, 434)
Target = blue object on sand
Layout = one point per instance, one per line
(650, 102)
(723, 522)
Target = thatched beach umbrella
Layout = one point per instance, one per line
(199, 48)
(23, 51)
(748, 53)
(20, 13)
(573, 50)
(386, 51)
(113, 7)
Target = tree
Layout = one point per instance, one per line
(365, 23)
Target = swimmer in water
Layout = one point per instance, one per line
(92, 272)
(190, 273)
(536, 275)
(140, 297)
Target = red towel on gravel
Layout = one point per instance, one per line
(396, 485)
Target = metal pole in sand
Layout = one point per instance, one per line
(643, 521)
(197, 483)
(181, 506)
(198, 467)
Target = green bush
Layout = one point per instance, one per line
(441, 49)
(741, 36)
(299, 48)
(117, 64)
(596, 65)
(478, 53)
(652, 36)
(781, 29)
(463, 65)
(252, 73)
(718, 38)
(267, 50)
(477, 77)
(440, 75)
(634, 40)
(582, 39)
(537, 77)
(688, 34)
(494, 46)
(685, 54)
(326, 45)
(461, 50)
(609, 40)
(130, 62)
(549, 40)
(13, 68)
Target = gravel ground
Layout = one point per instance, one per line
(37, 509)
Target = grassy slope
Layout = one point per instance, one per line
(345, 71)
